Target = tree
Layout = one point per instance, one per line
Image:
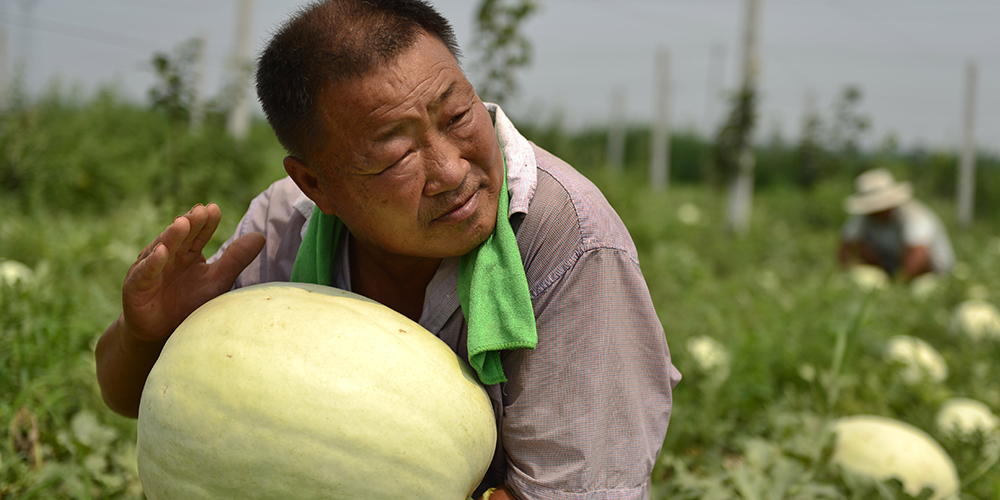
(809, 151)
(502, 46)
(174, 93)
(848, 128)
(734, 143)
(733, 137)
(174, 89)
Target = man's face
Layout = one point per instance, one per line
(411, 165)
(883, 216)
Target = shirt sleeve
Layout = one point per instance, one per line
(851, 231)
(587, 410)
(919, 226)
(280, 213)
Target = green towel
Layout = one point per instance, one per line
(492, 287)
(314, 261)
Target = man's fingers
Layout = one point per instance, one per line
(146, 271)
(197, 218)
(213, 215)
(240, 253)
(170, 238)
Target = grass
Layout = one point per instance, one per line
(805, 345)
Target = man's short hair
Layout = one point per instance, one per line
(331, 41)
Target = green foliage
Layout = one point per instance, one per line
(689, 152)
(806, 345)
(61, 441)
(79, 183)
(64, 153)
(502, 46)
(66, 443)
(779, 164)
(849, 127)
(175, 90)
(734, 135)
(832, 148)
(809, 152)
(85, 183)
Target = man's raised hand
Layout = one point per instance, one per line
(167, 282)
(171, 278)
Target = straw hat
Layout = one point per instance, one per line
(876, 191)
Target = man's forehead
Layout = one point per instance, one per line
(422, 78)
(365, 111)
(394, 125)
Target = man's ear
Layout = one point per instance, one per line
(310, 183)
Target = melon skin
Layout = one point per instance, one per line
(977, 319)
(883, 448)
(964, 416)
(285, 390)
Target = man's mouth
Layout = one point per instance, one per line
(464, 208)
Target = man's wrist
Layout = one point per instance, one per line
(131, 344)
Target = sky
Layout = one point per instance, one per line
(908, 57)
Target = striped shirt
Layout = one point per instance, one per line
(584, 414)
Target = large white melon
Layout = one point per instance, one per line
(301, 391)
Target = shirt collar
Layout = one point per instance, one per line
(522, 175)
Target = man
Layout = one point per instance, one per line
(399, 181)
(890, 229)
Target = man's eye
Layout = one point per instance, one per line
(458, 118)
(398, 161)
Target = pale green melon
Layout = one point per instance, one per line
(883, 448)
(964, 416)
(293, 391)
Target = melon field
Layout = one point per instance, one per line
(775, 342)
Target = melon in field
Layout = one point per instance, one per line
(963, 416)
(708, 353)
(925, 285)
(977, 319)
(883, 449)
(919, 360)
(710, 357)
(13, 272)
(869, 278)
(310, 392)
(689, 214)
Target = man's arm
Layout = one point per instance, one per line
(916, 261)
(853, 249)
(846, 254)
(168, 281)
(853, 252)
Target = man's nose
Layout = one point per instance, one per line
(444, 167)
